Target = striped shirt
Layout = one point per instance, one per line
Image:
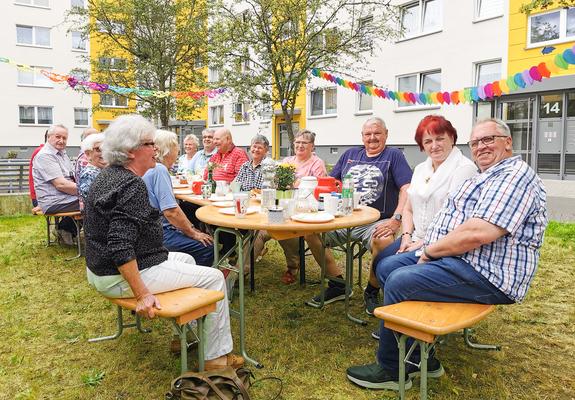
(228, 164)
(511, 196)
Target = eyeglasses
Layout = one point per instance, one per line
(301, 143)
(99, 150)
(207, 137)
(148, 144)
(486, 140)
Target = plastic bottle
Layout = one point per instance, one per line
(347, 194)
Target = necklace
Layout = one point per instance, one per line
(427, 179)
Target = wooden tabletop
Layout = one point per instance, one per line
(288, 229)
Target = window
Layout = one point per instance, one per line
(365, 101)
(488, 8)
(78, 41)
(552, 27)
(33, 35)
(240, 112)
(77, 3)
(323, 101)
(423, 82)
(213, 74)
(423, 16)
(36, 115)
(487, 72)
(34, 3)
(198, 62)
(81, 117)
(289, 28)
(217, 115)
(112, 100)
(365, 32)
(116, 28)
(80, 74)
(112, 64)
(266, 111)
(34, 77)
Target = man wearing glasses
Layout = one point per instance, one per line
(482, 247)
(200, 159)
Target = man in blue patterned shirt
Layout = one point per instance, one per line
(482, 247)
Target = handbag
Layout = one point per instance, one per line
(223, 384)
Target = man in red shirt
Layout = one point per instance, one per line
(31, 179)
(229, 158)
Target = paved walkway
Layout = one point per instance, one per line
(560, 200)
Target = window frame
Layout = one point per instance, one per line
(82, 40)
(477, 11)
(367, 39)
(82, 6)
(241, 117)
(323, 114)
(479, 64)
(34, 36)
(562, 29)
(32, 4)
(87, 116)
(421, 7)
(214, 74)
(35, 123)
(112, 66)
(36, 71)
(219, 110)
(360, 95)
(419, 89)
(115, 100)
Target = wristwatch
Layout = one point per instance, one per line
(397, 217)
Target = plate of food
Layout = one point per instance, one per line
(232, 211)
(317, 217)
(223, 203)
(227, 197)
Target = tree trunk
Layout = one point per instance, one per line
(288, 115)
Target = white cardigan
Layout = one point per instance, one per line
(429, 189)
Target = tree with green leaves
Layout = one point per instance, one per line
(531, 5)
(148, 44)
(265, 49)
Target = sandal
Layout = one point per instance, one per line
(232, 360)
(289, 277)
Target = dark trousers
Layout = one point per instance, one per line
(67, 223)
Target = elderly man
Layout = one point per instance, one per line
(54, 180)
(383, 175)
(482, 247)
(229, 158)
(82, 159)
(201, 158)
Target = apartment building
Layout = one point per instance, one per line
(34, 33)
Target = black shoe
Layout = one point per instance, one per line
(371, 301)
(434, 369)
(332, 294)
(372, 376)
(375, 335)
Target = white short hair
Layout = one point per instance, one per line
(165, 142)
(91, 140)
(124, 134)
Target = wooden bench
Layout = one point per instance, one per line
(180, 306)
(53, 219)
(426, 323)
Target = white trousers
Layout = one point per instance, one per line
(180, 271)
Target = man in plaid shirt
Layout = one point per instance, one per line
(482, 247)
(229, 158)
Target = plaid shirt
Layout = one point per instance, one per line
(511, 196)
(249, 176)
(229, 164)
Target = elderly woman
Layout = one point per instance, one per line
(305, 161)
(443, 170)
(91, 148)
(179, 233)
(191, 144)
(124, 251)
(250, 174)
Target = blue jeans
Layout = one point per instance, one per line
(449, 279)
(388, 251)
(174, 240)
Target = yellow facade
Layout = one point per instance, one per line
(278, 119)
(521, 55)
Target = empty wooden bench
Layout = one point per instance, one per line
(53, 219)
(426, 322)
(180, 306)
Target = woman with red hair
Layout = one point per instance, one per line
(444, 169)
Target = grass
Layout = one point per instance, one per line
(48, 312)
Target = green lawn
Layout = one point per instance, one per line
(48, 312)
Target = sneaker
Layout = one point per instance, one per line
(375, 335)
(372, 376)
(434, 369)
(332, 294)
(65, 237)
(371, 301)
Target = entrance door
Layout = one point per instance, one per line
(518, 114)
(284, 138)
(549, 135)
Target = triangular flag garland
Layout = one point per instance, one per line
(74, 82)
(468, 95)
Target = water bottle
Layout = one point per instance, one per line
(268, 196)
(347, 194)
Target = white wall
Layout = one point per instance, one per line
(59, 56)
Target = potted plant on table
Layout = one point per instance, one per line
(284, 180)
